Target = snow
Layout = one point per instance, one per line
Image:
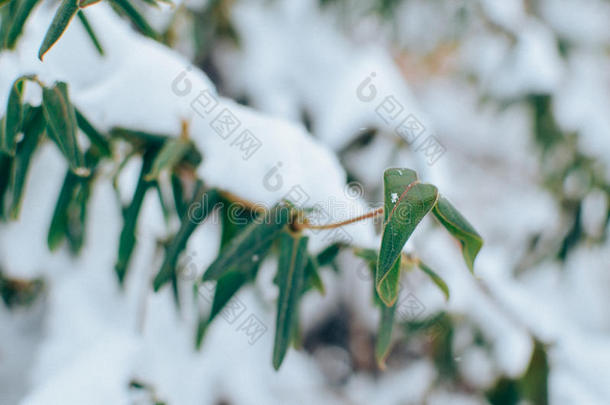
(89, 338)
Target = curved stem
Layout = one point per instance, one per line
(371, 214)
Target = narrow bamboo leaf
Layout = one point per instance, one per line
(66, 11)
(97, 139)
(139, 138)
(235, 217)
(178, 194)
(406, 202)
(77, 210)
(136, 18)
(534, 385)
(59, 222)
(87, 3)
(202, 326)
(61, 125)
(5, 175)
(172, 152)
(127, 239)
(83, 19)
(23, 12)
(383, 344)
(4, 2)
(33, 129)
(440, 283)
(326, 256)
(291, 266)
(200, 207)
(312, 275)
(461, 229)
(251, 244)
(14, 117)
(226, 287)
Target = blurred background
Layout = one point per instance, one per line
(503, 104)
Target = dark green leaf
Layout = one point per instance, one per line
(4, 2)
(33, 130)
(23, 11)
(5, 175)
(461, 229)
(291, 266)
(235, 217)
(87, 3)
(61, 125)
(130, 217)
(440, 283)
(98, 140)
(329, 254)
(312, 275)
(66, 11)
(59, 223)
(200, 207)
(252, 244)
(406, 202)
(139, 138)
(226, 287)
(83, 19)
(136, 18)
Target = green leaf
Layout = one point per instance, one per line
(252, 244)
(136, 18)
(14, 117)
(291, 266)
(4, 2)
(534, 385)
(461, 229)
(172, 152)
(23, 12)
(98, 140)
(61, 125)
(326, 256)
(312, 276)
(127, 239)
(406, 202)
(83, 19)
(235, 217)
(87, 3)
(226, 287)
(200, 207)
(440, 283)
(66, 11)
(383, 344)
(59, 222)
(5, 175)
(33, 129)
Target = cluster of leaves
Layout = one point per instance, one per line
(14, 14)
(23, 128)
(407, 201)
